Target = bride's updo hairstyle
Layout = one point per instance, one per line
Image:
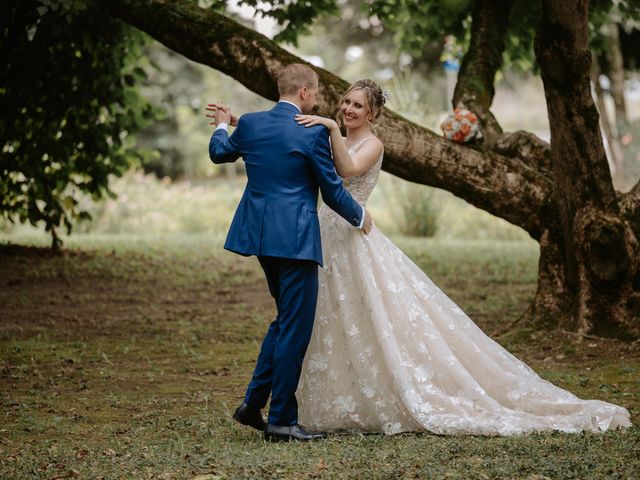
(373, 94)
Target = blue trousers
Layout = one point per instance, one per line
(294, 286)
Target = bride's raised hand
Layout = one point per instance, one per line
(214, 107)
(309, 120)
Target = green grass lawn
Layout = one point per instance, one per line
(123, 357)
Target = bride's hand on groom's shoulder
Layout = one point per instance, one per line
(309, 120)
(221, 113)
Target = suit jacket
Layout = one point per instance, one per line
(286, 164)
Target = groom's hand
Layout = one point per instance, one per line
(221, 114)
(368, 222)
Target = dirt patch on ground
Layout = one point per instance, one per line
(84, 294)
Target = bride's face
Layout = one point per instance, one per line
(354, 109)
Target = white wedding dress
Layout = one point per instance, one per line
(392, 353)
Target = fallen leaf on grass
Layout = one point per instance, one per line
(82, 453)
(106, 359)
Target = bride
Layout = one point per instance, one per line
(390, 352)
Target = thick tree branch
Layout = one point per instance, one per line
(485, 179)
(615, 151)
(615, 71)
(475, 89)
(506, 187)
(525, 146)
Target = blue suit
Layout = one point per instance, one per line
(277, 221)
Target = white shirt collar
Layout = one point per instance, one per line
(290, 103)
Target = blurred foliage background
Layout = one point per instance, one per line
(162, 180)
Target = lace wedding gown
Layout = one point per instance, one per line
(391, 353)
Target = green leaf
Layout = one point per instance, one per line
(56, 81)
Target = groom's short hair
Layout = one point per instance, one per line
(295, 76)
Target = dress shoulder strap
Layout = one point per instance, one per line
(357, 146)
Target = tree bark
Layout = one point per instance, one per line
(499, 181)
(599, 248)
(475, 87)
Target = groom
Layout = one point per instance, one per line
(277, 221)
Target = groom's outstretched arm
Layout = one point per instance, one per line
(333, 192)
(222, 147)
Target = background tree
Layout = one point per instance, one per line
(589, 272)
(174, 86)
(69, 107)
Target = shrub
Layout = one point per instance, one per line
(419, 217)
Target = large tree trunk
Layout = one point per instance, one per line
(597, 245)
(513, 180)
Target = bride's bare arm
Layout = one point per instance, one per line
(346, 165)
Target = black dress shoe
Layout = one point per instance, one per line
(283, 433)
(248, 415)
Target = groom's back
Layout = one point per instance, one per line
(277, 153)
(277, 213)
